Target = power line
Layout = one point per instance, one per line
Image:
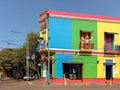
(9, 43)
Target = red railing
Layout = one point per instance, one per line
(109, 48)
(86, 46)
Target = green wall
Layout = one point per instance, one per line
(89, 62)
(54, 69)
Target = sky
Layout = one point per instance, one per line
(23, 15)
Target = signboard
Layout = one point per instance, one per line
(43, 25)
(43, 57)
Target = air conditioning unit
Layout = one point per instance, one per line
(117, 47)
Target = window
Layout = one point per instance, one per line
(85, 40)
(109, 38)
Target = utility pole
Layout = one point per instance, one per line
(48, 45)
(27, 57)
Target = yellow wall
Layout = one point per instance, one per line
(101, 66)
(107, 27)
(44, 35)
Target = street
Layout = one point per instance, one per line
(37, 85)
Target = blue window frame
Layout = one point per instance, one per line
(109, 41)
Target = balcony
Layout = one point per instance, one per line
(109, 48)
(87, 46)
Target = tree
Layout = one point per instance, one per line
(9, 58)
(17, 57)
(33, 44)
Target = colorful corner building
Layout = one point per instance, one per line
(80, 47)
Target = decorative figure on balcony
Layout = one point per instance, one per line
(87, 40)
(82, 42)
(43, 58)
(42, 43)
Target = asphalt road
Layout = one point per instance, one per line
(37, 85)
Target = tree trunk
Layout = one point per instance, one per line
(5, 70)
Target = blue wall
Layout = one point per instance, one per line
(60, 58)
(58, 27)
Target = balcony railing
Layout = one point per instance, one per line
(86, 46)
(109, 48)
(41, 45)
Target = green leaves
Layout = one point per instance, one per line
(17, 57)
(33, 43)
(9, 57)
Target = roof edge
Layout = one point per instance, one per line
(80, 16)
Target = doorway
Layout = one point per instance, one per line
(109, 72)
(73, 70)
(50, 68)
(109, 69)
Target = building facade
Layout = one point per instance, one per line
(80, 47)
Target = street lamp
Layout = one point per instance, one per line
(27, 53)
(48, 46)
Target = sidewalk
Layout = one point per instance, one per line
(44, 83)
(38, 82)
